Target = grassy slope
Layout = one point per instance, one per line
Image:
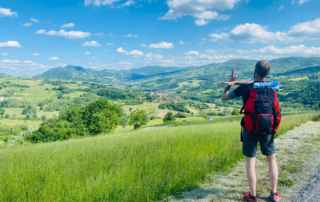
(139, 166)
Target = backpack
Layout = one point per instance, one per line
(261, 110)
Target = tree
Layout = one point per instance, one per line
(2, 112)
(97, 117)
(169, 117)
(74, 115)
(101, 116)
(138, 118)
(30, 112)
(52, 130)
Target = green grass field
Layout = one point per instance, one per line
(144, 165)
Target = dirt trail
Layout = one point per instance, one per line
(299, 160)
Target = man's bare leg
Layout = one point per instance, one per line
(251, 174)
(273, 172)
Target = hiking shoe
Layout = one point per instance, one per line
(274, 197)
(247, 196)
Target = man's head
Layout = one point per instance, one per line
(262, 69)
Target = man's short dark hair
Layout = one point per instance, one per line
(262, 68)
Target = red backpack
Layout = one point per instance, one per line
(261, 111)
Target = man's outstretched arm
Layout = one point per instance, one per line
(228, 94)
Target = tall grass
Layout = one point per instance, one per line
(140, 166)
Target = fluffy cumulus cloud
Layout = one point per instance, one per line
(65, 34)
(203, 11)
(307, 28)
(10, 44)
(136, 53)
(249, 32)
(161, 45)
(112, 3)
(133, 53)
(68, 25)
(252, 33)
(7, 12)
(121, 50)
(93, 44)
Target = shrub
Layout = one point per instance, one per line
(169, 117)
(98, 117)
(180, 115)
(180, 107)
(30, 112)
(52, 130)
(138, 118)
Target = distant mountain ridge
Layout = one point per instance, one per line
(211, 72)
(302, 71)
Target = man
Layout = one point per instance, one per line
(261, 120)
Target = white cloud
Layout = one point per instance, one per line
(7, 12)
(10, 44)
(300, 2)
(28, 24)
(121, 50)
(294, 50)
(307, 28)
(136, 53)
(129, 3)
(54, 58)
(68, 25)
(203, 11)
(161, 45)
(112, 3)
(218, 36)
(130, 35)
(192, 53)
(35, 54)
(302, 32)
(16, 63)
(268, 52)
(133, 53)
(250, 32)
(34, 20)
(255, 32)
(93, 44)
(31, 22)
(65, 34)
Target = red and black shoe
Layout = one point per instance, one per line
(248, 197)
(274, 197)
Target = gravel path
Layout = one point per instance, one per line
(299, 160)
(310, 192)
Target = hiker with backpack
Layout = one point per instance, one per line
(259, 124)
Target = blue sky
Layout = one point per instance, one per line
(121, 34)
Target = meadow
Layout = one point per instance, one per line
(143, 165)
